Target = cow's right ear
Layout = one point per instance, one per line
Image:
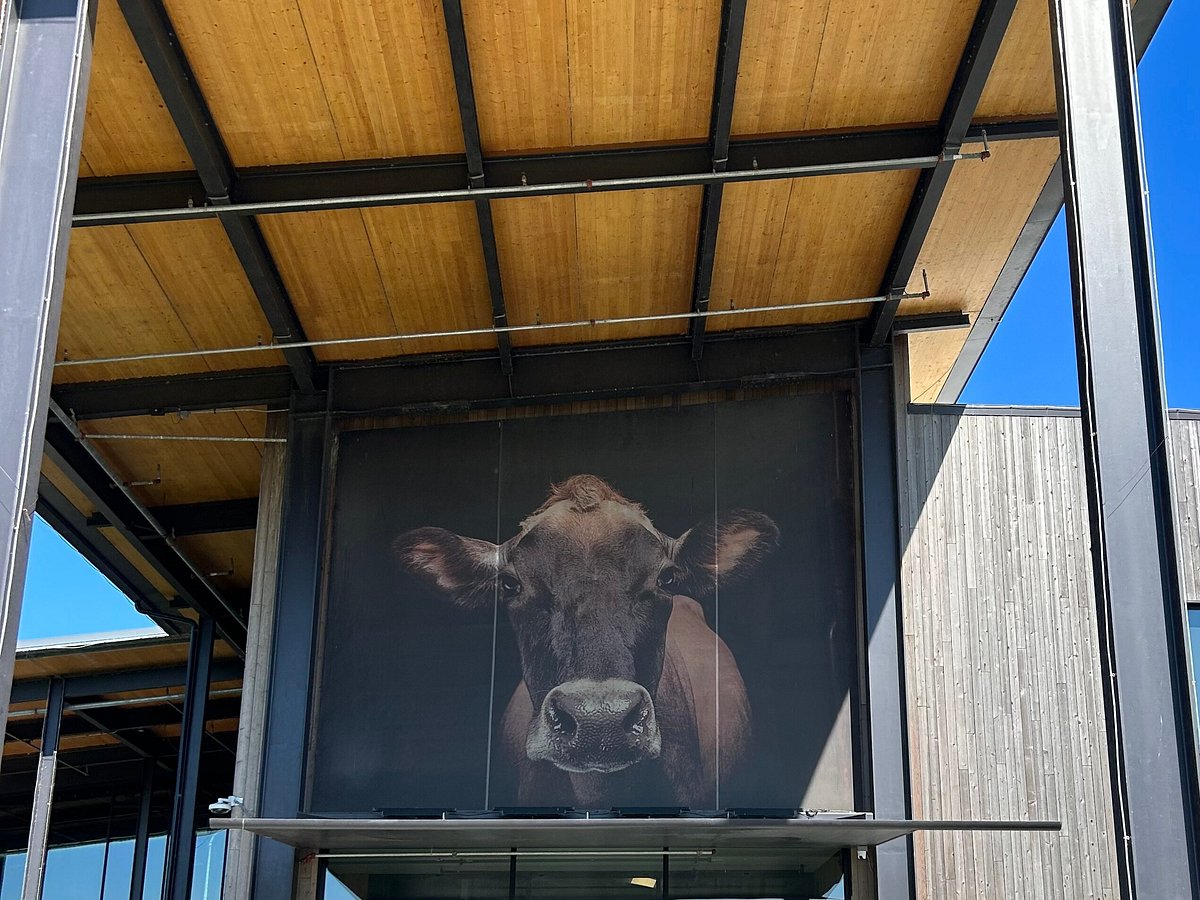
(464, 569)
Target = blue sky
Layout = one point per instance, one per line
(1031, 359)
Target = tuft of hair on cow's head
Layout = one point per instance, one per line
(461, 568)
(726, 549)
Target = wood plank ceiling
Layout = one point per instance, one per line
(333, 81)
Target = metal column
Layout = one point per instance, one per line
(181, 839)
(888, 717)
(45, 59)
(141, 841)
(1140, 608)
(292, 645)
(43, 793)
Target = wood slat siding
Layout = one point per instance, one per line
(1006, 715)
(1185, 450)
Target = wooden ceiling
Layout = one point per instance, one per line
(292, 82)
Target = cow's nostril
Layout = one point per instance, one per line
(635, 720)
(561, 720)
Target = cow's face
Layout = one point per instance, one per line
(588, 585)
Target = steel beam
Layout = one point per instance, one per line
(1140, 608)
(293, 643)
(181, 838)
(45, 60)
(209, 517)
(662, 365)
(43, 794)
(151, 679)
(460, 61)
(103, 201)
(175, 393)
(983, 44)
(161, 50)
(887, 771)
(733, 20)
(117, 508)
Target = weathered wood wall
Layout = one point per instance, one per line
(1185, 447)
(1003, 675)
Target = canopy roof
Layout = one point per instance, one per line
(782, 154)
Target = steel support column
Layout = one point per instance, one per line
(43, 793)
(181, 838)
(887, 724)
(1125, 440)
(293, 645)
(45, 60)
(141, 840)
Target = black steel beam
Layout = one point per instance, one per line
(99, 198)
(164, 57)
(460, 61)
(110, 501)
(175, 393)
(181, 838)
(111, 720)
(729, 52)
(210, 517)
(642, 368)
(141, 741)
(437, 380)
(91, 685)
(1143, 646)
(983, 44)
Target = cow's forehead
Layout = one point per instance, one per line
(598, 523)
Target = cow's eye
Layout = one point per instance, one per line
(668, 578)
(510, 586)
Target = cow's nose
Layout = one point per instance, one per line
(588, 725)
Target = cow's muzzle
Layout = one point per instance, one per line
(595, 726)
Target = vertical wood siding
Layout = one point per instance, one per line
(1005, 709)
(1185, 449)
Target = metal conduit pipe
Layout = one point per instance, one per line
(59, 413)
(113, 704)
(406, 198)
(497, 329)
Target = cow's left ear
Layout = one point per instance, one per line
(463, 569)
(727, 549)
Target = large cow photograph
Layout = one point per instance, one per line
(648, 609)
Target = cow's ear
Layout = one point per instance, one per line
(728, 549)
(464, 569)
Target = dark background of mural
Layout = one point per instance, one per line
(406, 699)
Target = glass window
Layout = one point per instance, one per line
(75, 872)
(795, 874)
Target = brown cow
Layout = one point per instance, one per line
(628, 697)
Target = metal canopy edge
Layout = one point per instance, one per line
(507, 834)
